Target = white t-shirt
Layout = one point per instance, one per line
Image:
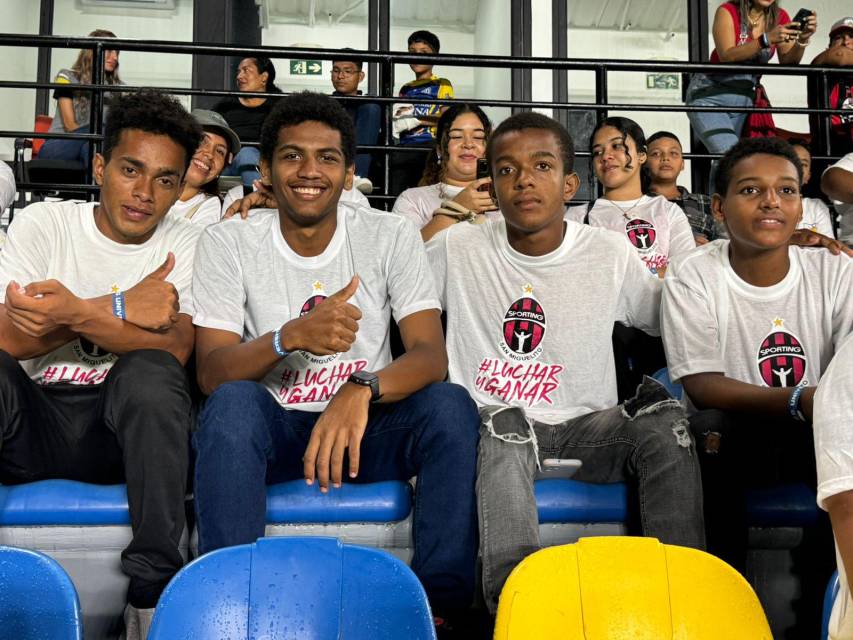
(8, 190)
(833, 434)
(535, 332)
(59, 240)
(844, 209)
(657, 228)
(203, 209)
(347, 195)
(816, 217)
(418, 203)
(250, 282)
(779, 336)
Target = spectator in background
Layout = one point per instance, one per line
(8, 191)
(347, 74)
(816, 216)
(748, 32)
(837, 183)
(246, 115)
(451, 191)
(414, 123)
(73, 107)
(664, 164)
(839, 53)
(833, 435)
(199, 200)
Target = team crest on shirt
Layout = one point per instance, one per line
(523, 327)
(89, 352)
(318, 294)
(781, 358)
(641, 233)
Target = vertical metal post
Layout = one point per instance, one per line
(44, 56)
(698, 29)
(96, 104)
(560, 50)
(373, 11)
(386, 80)
(520, 26)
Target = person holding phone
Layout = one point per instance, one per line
(450, 190)
(746, 32)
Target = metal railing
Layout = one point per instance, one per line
(386, 61)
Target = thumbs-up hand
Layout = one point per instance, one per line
(153, 302)
(329, 327)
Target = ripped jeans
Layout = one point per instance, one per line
(646, 441)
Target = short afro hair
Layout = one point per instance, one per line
(749, 147)
(427, 37)
(659, 135)
(307, 106)
(534, 120)
(152, 112)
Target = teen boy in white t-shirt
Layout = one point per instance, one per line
(837, 183)
(749, 326)
(293, 314)
(531, 300)
(95, 327)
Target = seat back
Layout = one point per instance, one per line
(293, 588)
(39, 600)
(622, 587)
(42, 125)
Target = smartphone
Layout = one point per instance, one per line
(558, 468)
(801, 17)
(483, 172)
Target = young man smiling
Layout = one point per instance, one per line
(749, 327)
(539, 363)
(294, 308)
(95, 326)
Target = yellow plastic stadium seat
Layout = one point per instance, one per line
(624, 588)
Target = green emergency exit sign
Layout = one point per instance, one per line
(306, 68)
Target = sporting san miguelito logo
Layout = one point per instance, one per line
(524, 327)
(641, 233)
(781, 358)
(317, 296)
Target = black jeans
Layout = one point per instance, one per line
(134, 428)
(738, 452)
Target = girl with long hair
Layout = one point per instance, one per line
(73, 107)
(449, 190)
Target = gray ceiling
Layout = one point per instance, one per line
(635, 15)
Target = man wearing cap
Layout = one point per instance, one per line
(199, 201)
(95, 329)
(839, 53)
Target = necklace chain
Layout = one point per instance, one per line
(625, 212)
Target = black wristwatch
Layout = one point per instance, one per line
(367, 379)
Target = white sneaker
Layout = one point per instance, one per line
(137, 623)
(363, 184)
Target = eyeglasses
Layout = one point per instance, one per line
(346, 73)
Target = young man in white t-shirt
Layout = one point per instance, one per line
(749, 326)
(293, 315)
(833, 434)
(837, 183)
(531, 300)
(95, 327)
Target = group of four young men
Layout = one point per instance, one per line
(289, 314)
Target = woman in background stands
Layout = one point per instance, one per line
(246, 115)
(73, 107)
(745, 32)
(449, 190)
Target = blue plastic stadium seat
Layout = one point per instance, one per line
(289, 588)
(828, 602)
(298, 503)
(38, 600)
(560, 501)
(788, 505)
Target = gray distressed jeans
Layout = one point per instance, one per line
(645, 441)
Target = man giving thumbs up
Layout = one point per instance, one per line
(294, 307)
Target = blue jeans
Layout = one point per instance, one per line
(71, 150)
(245, 165)
(368, 118)
(246, 441)
(719, 131)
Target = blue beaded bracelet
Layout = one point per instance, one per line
(794, 404)
(276, 344)
(118, 305)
